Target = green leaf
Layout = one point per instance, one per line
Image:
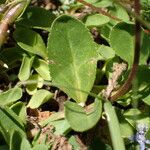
(120, 13)
(105, 31)
(44, 21)
(125, 128)
(20, 109)
(41, 147)
(42, 68)
(15, 141)
(145, 48)
(80, 119)
(11, 55)
(32, 87)
(62, 127)
(103, 3)
(4, 147)
(135, 116)
(147, 100)
(10, 96)
(72, 56)
(122, 41)
(30, 41)
(53, 117)
(39, 98)
(114, 127)
(25, 145)
(106, 52)
(9, 122)
(142, 76)
(25, 68)
(100, 3)
(96, 20)
(72, 140)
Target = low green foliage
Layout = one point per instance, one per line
(57, 75)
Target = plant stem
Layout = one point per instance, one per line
(114, 128)
(126, 86)
(8, 18)
(99, 10)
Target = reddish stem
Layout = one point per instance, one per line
(126, 86)
(99, 10)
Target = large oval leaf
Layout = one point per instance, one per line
(72, 55)
(81, 119)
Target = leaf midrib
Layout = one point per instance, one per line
(74, 71)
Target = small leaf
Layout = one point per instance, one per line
(44, 21)
(39, 98)
(122, 41)
(103, 3)
(120, 13)
(11, 55)
(135, 116)
(25, 145)
(72, 60)
(42, 68)
(53, 117)
(25, 68)
(79, 119)
(147, 100)
(143, 76)
(96, 20)
(106, 52)
(105, 31)
(62, 127)
(20, 109)
(145, 48)
(30, 41)
(10, 96)
(9, 122)
(32, 87)
(126, 129)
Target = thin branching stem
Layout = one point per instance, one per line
(126, 86)
(99, 10)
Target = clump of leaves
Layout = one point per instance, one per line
(85, 62)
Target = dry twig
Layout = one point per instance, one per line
(112, 82)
